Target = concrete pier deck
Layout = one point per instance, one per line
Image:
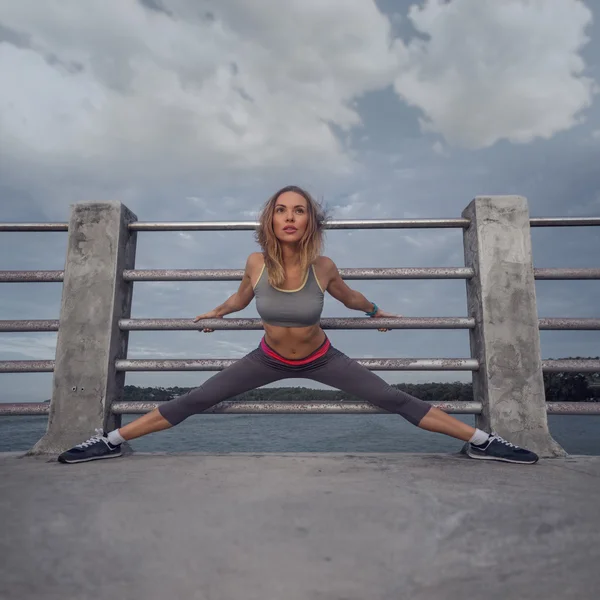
(299, 527)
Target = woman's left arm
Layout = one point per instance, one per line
(340, 290)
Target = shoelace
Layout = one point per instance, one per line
(95, 438)
(496, 437)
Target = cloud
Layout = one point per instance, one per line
(177, 91)
(186, 92)
(30, 346)
(482, 71)
(438, 148)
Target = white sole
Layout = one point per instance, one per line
(74, 462)
(514, 462)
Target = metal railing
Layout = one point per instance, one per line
(333, 224)
(376, 364)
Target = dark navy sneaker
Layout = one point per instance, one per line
(497, 448)
(95, 448)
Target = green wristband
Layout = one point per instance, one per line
(374, 311)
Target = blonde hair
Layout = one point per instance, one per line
(310, 245)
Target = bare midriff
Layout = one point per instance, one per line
(294, 342)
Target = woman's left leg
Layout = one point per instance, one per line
(342, 372)
(337, 370)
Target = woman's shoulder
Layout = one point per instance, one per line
(325, 271)
(255, 264)
(324, 263)
(256, 258)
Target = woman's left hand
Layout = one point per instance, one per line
(382, 314)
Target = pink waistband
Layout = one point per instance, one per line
(318, 353)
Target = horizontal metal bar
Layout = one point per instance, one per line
(353, 407)
(334, 323)
(542, 274)
(373, 364)
(26, 366)
(573, 408)
(31, 276)
(38, 325)
(246, 407)
(295, 407)
(29, 325)
(563, 221)
(568, 324)
(571, 365)
(34, 227)
(349, 274)
(25, 409)
(355, 274)
(334, 224)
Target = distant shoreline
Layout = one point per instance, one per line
(431, 392)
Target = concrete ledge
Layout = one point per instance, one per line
(299, 527)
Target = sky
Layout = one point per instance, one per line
(189, 110)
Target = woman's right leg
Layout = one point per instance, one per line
(246, 374)
(148, 423)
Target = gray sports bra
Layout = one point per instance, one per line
(289, 308)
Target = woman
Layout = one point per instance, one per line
(288, 279)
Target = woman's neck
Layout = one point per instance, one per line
(290, 256)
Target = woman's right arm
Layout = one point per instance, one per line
(245, 293)
(241, 298)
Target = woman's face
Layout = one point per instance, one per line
(290, 217)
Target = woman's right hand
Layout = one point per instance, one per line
(209, 315)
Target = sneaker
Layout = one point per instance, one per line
(497, 448)
(95, 448)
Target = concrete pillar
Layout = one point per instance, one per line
(94, 298)
(501, 298)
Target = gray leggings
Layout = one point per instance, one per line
(258, 368)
